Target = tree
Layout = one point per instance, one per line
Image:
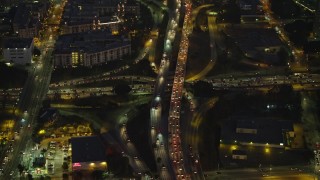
(97, 174)
(65, 176)
(65, 166)
(36, 52)
(20, 168)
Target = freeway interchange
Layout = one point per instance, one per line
(175, 159)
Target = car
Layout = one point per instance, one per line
(11, 173)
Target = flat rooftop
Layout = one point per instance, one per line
(89, 42)
(87, 149)
(252, 41)
(17, 42)
(249, 38)
(269, 130)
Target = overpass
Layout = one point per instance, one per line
(100, 78)
(300, 81)
(84, 92)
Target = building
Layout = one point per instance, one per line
(316, 23)
(81, 16)
(18, 50)
(256, 43)
(258, 132)
(239, 154)
(88, 154)
(89, 49)
(76, 26)
(5, 25)
(26, 22)
(251, 11)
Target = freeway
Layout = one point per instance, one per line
(181, 171)
(135, 161)
(197, 119)
(213, 49)
(285, 173)
(128, 149)
(195, 13)
(157, 124)
(308, 81)
(190, 149)
(100, 78)
(68, 93)
(299, 81)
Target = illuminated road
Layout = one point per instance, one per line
(299, 81)
(158, 141)
(31, 97)
(276, 173)
(213, 49)
(74, 93)
(180, 168)
(298, 65)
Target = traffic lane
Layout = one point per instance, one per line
(257, 174)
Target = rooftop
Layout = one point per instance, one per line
(22, 16)
(251, 7)
(251, 40)
(269, 130)
(87, 149)
(312, 47)
(89, 42)
(17, 42)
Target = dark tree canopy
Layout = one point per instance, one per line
(298, 31)
(285, 8)
(65, 166)
(20, 168)
(231, 13)
(36, 52)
